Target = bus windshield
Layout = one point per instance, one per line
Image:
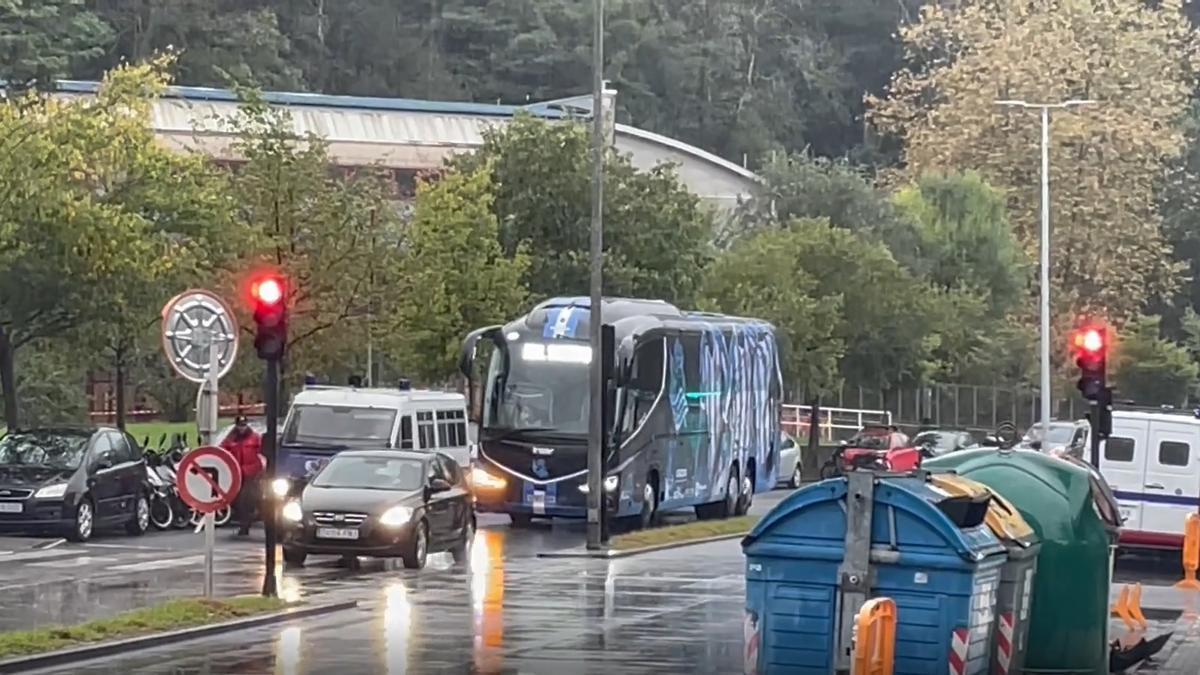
(538, 385)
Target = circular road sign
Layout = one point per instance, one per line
(196, 322)
(208, 479)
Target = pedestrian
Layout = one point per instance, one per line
(245, 445)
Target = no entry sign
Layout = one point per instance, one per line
(208, 479)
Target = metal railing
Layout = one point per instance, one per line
(835, 424)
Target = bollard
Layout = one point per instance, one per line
(1191, 552)
(875, 638)
(1129, 607)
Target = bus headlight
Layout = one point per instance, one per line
(610, 485)
(483, 479)
(280, 487)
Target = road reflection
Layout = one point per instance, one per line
(287, 651)
(397, 617)
(487, 599)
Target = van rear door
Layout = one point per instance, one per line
(1123, 465)
(1172, 484)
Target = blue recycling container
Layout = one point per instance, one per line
(940, 567)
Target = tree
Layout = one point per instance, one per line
(66, 232)
(1137, 60)
(44, 40)
(762, 276)
(49, 384)
(803, 186)
(656, 233)
(1151, 370)
(453, 276)
(330, 232)
(964, 237)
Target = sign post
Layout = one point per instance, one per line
(200, 341)
(208, 479)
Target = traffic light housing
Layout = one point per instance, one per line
(268, 293)
(1091, 355)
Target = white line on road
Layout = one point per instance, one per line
(125, 546)
(38, 555)
(147, 565)
(78, 561)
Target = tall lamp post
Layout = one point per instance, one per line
(596, 379)
(1045, 108)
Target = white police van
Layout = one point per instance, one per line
(1152, 463)
(324, 420)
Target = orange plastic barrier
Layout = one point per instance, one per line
(1129, 607)
(1191, 552)
(875, 638)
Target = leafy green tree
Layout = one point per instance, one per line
(1150, 369)
(453, 276)
(762, 276)
(964, 237)
(329, 232)
(66, 232)
(44, 40)
(656, 233)
(49, 384)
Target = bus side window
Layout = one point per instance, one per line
(645, 383)
(406, 432)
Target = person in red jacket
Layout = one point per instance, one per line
(245, 445)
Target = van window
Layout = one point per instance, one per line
(452, 428)
(406, 433)
(1173, 453)
(1118, 449)
(425, 430)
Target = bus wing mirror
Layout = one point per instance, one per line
(466, 360)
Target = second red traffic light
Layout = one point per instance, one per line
(269, 295)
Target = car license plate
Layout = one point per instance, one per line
(337, 533)
(11, 507)
(539, 502)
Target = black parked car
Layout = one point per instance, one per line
(72, 482)
(381, 503)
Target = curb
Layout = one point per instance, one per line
(101, 649)
(610, 554)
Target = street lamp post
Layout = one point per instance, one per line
(1046, 396)
(596, 380)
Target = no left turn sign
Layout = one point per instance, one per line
(208, 479)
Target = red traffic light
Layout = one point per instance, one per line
(1090, 340)
(267, 290)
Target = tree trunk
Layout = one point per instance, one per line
(119, 364)
(8, 380)
(814, 426)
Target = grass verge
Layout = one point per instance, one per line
(675, 534)
(173, 615)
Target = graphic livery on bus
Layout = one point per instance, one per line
(695, 411)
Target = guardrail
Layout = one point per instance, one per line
(833, 422)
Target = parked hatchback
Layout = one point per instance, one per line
(72, 482)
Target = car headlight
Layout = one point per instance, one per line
(292, 512)
(396, 516)
(483, 479)
(610, 485)
(52, 491)
(280, 487)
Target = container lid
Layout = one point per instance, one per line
(909, 515)
(1002, 517)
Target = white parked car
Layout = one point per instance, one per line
(789, 462)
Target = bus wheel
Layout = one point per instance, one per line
(732, 496)
(746, 498)
(649, 505)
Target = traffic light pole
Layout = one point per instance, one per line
(270, 512)
(1094, 437)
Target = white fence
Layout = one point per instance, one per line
(834, 423)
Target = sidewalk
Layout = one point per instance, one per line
(1168, 609)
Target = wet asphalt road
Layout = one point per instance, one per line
(504, 611)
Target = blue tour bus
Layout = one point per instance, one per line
(695, 420)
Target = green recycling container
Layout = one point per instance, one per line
(1071, 510)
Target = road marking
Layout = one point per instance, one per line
(39, 555)
(147, 565)
(78, 561)
(124, 546)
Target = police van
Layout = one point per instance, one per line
(324, 420)
(1152, 463)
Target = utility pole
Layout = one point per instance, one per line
(596, 374)
(1044, 264)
